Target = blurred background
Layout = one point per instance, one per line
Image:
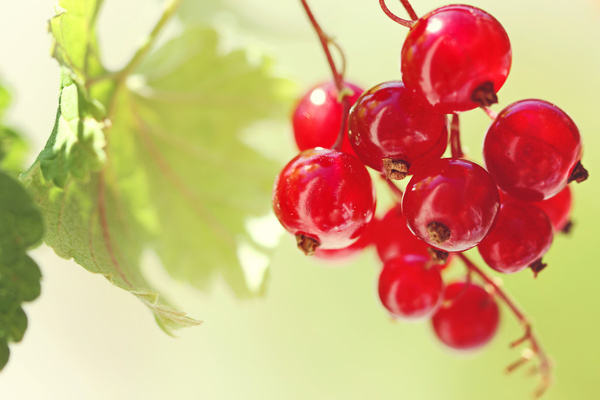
(319, 332)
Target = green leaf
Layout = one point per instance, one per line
(21, 228)
(74, 32)
(165, 170)
(76, 145)
(13, 148)
(186, 111)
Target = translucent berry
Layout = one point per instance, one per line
(531, 149)
(457, 57)
(392, 130)
(522, 235)
(558, 208)
(468, 317)
(348, 252)
(393, 238)
(451, 204)
(411, 286)
(324, 197)
(318, 117)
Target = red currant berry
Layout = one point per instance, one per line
(558, 208)
(318, 117)
(531, 149)
(451, 204)
(393, 238)
(346, 253)
(457, 57)
(411, 286)
(392, 129)
(324, 197)
(468, 317)
(522, 235)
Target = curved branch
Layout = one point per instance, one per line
(535, 350)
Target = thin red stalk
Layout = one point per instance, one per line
(395, 189)
(411, 13)
(455, 146)
(544, 362)
(490, 113)
(345, 111)
(337, 75)
(404, 22)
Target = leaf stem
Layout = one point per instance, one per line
(169, 11)
(544, 366)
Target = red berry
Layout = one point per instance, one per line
(522, 234)
(468, 318)
(451, 204)
(390, 124)
(531, 149)
(318, 117)
(411, 286)
(558, 208)
(393, 238)
(324, 197)
(345, 253)
(457, 57)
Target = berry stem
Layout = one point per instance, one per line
(411, 13)
(395, 189)
(490, 113)
(455, 145)
(337, 75)
(544, 366)
(404, 22)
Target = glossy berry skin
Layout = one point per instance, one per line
(349, 252)
(393, 238)
(451, 204)
(325, 195)
(454, 52)
(468, 317)
(522, 234)
(411, 287)
(531, 148)
(558, 208)
(318, 116)
(390, 121)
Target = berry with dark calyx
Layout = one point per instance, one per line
(522, 234)
(457, 57)
(393, 130)
(451, 204)
(318, 117)
(468, 318)
(393, 238)
(411, 286)
(531, 149)
(324, 197)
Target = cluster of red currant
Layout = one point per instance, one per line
(454, 59)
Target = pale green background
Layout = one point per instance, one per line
(320, 332)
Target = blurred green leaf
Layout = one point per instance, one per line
(21, 228)
(165, 169)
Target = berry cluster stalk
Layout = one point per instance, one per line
(455, 146)
(404, 22)
(544, 367)
(337, 75)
